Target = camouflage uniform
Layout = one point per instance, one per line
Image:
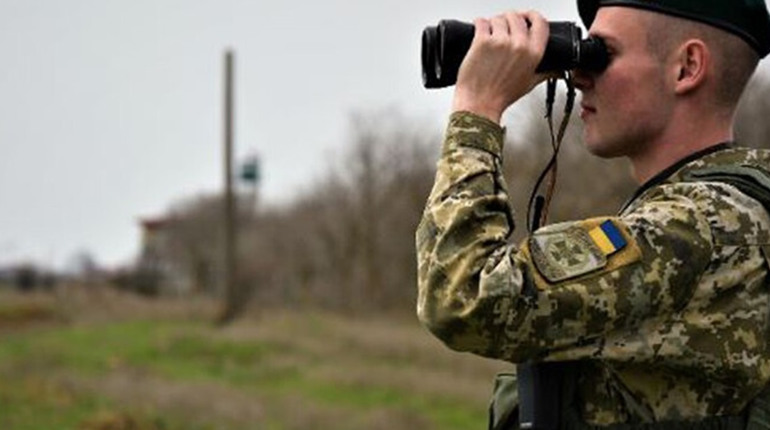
(665, 306)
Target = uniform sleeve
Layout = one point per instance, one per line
(569, 287)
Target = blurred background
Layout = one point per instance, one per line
(118, 306)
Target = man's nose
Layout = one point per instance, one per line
(584, 80)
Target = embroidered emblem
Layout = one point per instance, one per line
(565, 254)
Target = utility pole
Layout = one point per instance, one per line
(232, 288)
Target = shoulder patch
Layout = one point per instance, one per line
(565, 254)
(571, 250)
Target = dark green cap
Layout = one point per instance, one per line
(747, 19)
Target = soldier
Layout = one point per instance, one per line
(660, 313)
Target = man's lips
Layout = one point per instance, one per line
(586, 109)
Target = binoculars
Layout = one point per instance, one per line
(445, 45)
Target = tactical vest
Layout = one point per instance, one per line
(546, 392)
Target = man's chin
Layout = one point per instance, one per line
(602, 149)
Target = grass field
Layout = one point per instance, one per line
(104, 361)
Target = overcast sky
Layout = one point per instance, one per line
(110, 110)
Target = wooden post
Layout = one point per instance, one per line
(232, 293)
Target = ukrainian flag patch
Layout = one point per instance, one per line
(569, 250)
(608, 237)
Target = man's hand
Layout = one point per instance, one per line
(500, 65)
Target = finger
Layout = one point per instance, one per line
(483, 27)
(538, 31)
(500, 26)
(517, 24)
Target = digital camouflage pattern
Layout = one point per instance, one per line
(673, 325)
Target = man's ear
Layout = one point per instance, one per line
(692, 62)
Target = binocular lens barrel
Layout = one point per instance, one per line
(444, 46)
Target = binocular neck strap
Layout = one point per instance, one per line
(539, 204)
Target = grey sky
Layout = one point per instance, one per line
(111, 109)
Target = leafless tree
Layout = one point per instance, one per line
(347, 243)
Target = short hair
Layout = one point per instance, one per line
(734, 59)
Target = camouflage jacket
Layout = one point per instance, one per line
(665, 305)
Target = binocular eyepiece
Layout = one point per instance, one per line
(444, 46)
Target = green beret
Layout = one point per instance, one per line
(747, 19)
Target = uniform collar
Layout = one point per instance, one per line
(670, 170)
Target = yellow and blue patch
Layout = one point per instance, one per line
(608, 238)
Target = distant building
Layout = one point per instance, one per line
(159, 269)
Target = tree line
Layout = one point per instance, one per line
(346, 243)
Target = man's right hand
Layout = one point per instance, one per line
(500, 65)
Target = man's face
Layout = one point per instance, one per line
(626, 107)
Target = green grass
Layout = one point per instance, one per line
(32, 403)
(271, 370)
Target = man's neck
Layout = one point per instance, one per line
(687, 137)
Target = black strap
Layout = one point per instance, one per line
(539, 395)
(750, 180)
